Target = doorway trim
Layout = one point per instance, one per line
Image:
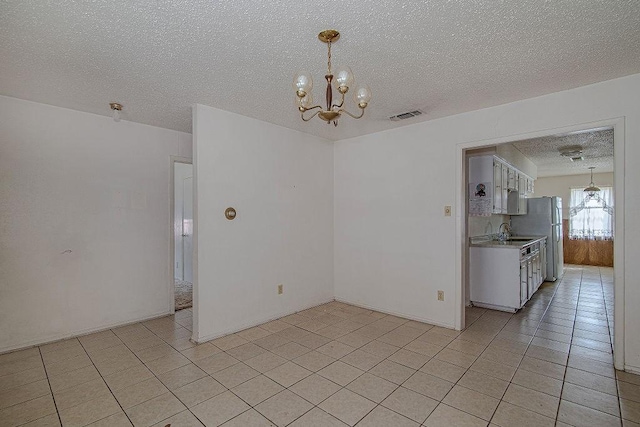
(172, 238)
(618, 125)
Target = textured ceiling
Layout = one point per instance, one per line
(545, 153)
(443, 57)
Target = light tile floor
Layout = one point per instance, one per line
(336, 365)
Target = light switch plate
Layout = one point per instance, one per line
(447, 211)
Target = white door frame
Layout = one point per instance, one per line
(618, 243)
(172, 238)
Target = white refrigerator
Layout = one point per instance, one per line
(544, 218)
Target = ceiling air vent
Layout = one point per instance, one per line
(407, 115)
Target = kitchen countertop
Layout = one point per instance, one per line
(487, 242)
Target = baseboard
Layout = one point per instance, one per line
(396, 313)
(632, 369)
(79, 333)
(254, 323)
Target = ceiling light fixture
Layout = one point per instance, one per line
(591, 190)
(571, 151)
(303, 84)
(116, 110)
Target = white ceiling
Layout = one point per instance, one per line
(443, 57)
(596, 146)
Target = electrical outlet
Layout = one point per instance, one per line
(447, 211)
(279, 289)
(440, 295)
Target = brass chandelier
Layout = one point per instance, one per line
(303, 84)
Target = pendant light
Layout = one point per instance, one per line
(591, 190)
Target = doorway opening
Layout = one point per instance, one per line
(589, 285)
(182, 236)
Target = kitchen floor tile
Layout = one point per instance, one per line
(219, 409)
(235, 375)
(315, 388)
(249, 418)
(347, 406)
(340, 373)
(542, 403)
(199, 391)
(284, 407)
(257, 390)
(472, 402)
(372, 387)
(537, 382)
(383, 417)
(392, 371)
(412, 405)
(316, 418)
(89, 412)
(433, 387)
(508, 415)
(578, 415)
(591, 398)
(140, 392)
(288, 374)
(446, 416)
(28, 411)
(444, 370)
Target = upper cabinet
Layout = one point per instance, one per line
(496, 187)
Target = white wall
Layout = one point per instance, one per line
(280, 182)
(394, 248)
(561, 186)
(84, 215)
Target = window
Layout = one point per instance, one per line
(591, 217)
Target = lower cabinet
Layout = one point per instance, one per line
(495, 272)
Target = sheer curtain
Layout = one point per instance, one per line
(591, 217)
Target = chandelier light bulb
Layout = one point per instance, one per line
(303, 83)
(306, 101)
(116, 108)
(343, 79)
(362, 96)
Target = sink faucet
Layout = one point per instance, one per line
(503, 232)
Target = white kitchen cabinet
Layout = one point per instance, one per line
(494, 275)
(522, 194)
(504, 276)
(495, 187)
(512, 178)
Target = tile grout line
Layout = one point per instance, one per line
(105, 382)
(46, 373)
(573, 329)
